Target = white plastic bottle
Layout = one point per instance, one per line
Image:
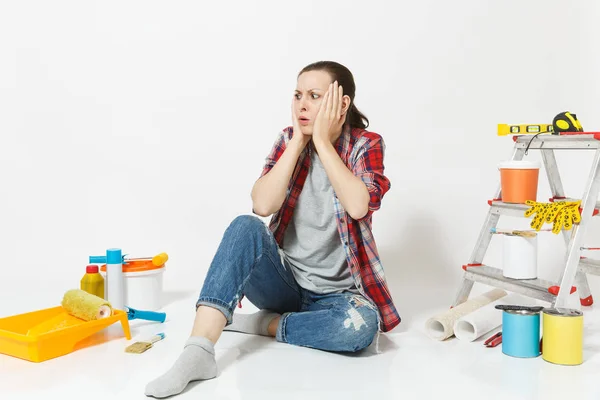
(115, 289)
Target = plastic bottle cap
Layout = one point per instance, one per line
(91, 269)
(113, 256)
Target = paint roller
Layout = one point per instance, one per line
(78, 306)
(88, 307)
(85, 306)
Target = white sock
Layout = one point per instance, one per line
(254, 324)
(196, 362)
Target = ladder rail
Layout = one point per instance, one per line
(588, 204)
(554, 180)
(558, 192)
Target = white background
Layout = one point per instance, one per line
(143, 125)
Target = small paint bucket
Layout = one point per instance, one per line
(519, 180)
(520, 257)
(521, 333)
(562, 336)
(143, 284)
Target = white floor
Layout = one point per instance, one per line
(409, 365)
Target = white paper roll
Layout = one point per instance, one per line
(484, 320)
(441, 327)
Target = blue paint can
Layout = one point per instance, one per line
(521, 333)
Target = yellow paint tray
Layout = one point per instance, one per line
(49, 333)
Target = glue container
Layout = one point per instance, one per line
(93, 282)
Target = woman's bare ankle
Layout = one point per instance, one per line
(209, 323)
(272, 329)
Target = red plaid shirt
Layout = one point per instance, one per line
(362, 152)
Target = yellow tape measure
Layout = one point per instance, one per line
(524, 129)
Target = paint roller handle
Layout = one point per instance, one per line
(132, 313)
(160, 259)
(157, 260)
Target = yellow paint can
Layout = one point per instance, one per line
(562, 341)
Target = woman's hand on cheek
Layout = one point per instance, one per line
(329, 121)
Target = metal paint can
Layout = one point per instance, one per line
(562, 336)
(521, 333)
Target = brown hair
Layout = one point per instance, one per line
(340, 73)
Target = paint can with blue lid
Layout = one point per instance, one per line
(520, 331)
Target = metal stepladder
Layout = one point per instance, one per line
(573, 276)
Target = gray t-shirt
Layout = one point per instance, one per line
(312, 244)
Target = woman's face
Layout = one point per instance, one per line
(310, 89)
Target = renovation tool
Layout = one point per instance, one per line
(520, 257)
(441, 326)
(157, 260)
(520, 331)
(509, 232)
(524, 129)
(53, 332)
(493, 340)
(145, 315)
(86, 306)
(561, 123)
(78, 305)
(566, 122)
(573, 274)
(92, 282)
(562, 336)
(562, 214)
(143, 282)
(140, 347)
(473, 325)
(519, 180)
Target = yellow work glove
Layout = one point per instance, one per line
(560, 214)
(541, 210)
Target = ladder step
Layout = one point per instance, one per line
(518, 210)
(556, 142)
(536, 288)
(508, 209)
(589, 266)
(596, 207)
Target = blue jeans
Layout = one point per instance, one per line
(247, 263)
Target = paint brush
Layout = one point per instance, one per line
(523, 233)
(140, 347)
